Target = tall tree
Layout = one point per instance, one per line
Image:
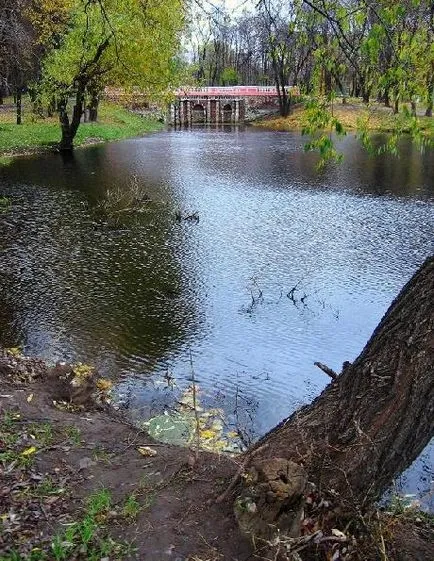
(127, 42)
(366, 427)
(18, 56)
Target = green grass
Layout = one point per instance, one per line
(115, 123)
(86, 539)
(73, 434)
(19, 443)
(131, 507)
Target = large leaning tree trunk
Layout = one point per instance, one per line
(368, 425)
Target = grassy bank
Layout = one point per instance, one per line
(353, 116)
(36, 133)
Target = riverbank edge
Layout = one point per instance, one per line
(352, 116)
(60, 460)
(116, 123)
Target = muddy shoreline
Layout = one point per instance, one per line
(73, 465)
(57, 455)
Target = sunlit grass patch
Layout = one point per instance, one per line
(115, 123)
(353, 116)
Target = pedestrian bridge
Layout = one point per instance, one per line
(219, 104)
(234, 91)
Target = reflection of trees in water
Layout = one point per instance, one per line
(96, 289)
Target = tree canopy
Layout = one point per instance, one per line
(65, 49)
(73, 48)
(356, 48)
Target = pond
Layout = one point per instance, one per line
(279, 265)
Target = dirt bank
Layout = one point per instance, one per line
(78, 482)
(55, 462)
(353, 116)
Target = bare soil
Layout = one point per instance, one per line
(70, 452)
(174, 521)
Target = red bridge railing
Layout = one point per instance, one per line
(242, 91)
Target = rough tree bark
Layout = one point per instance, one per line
(369, 424)
(92, 106)
(19, 111)
(279, 77)
(69, 127)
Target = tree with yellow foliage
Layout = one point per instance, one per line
(127, 43)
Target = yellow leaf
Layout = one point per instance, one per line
(146, 451)
(104, 385)
(14, 351)
(232, 434)
(29, 398)
(28, 451)
(207, 433)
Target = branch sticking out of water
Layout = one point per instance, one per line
(127, 199)
(193, 217)
(333, 375)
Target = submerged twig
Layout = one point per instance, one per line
(196, 413)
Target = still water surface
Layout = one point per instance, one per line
(135, 298)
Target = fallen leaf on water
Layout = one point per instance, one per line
(29, 398)
(28, 451)
(146, 451)
(14, 351)
(104, 385)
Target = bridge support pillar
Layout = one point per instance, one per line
(237, 111)
(185, 111)
(181, 113)
(189, 113)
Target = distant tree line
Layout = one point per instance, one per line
(64, 52)
(359, 48)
